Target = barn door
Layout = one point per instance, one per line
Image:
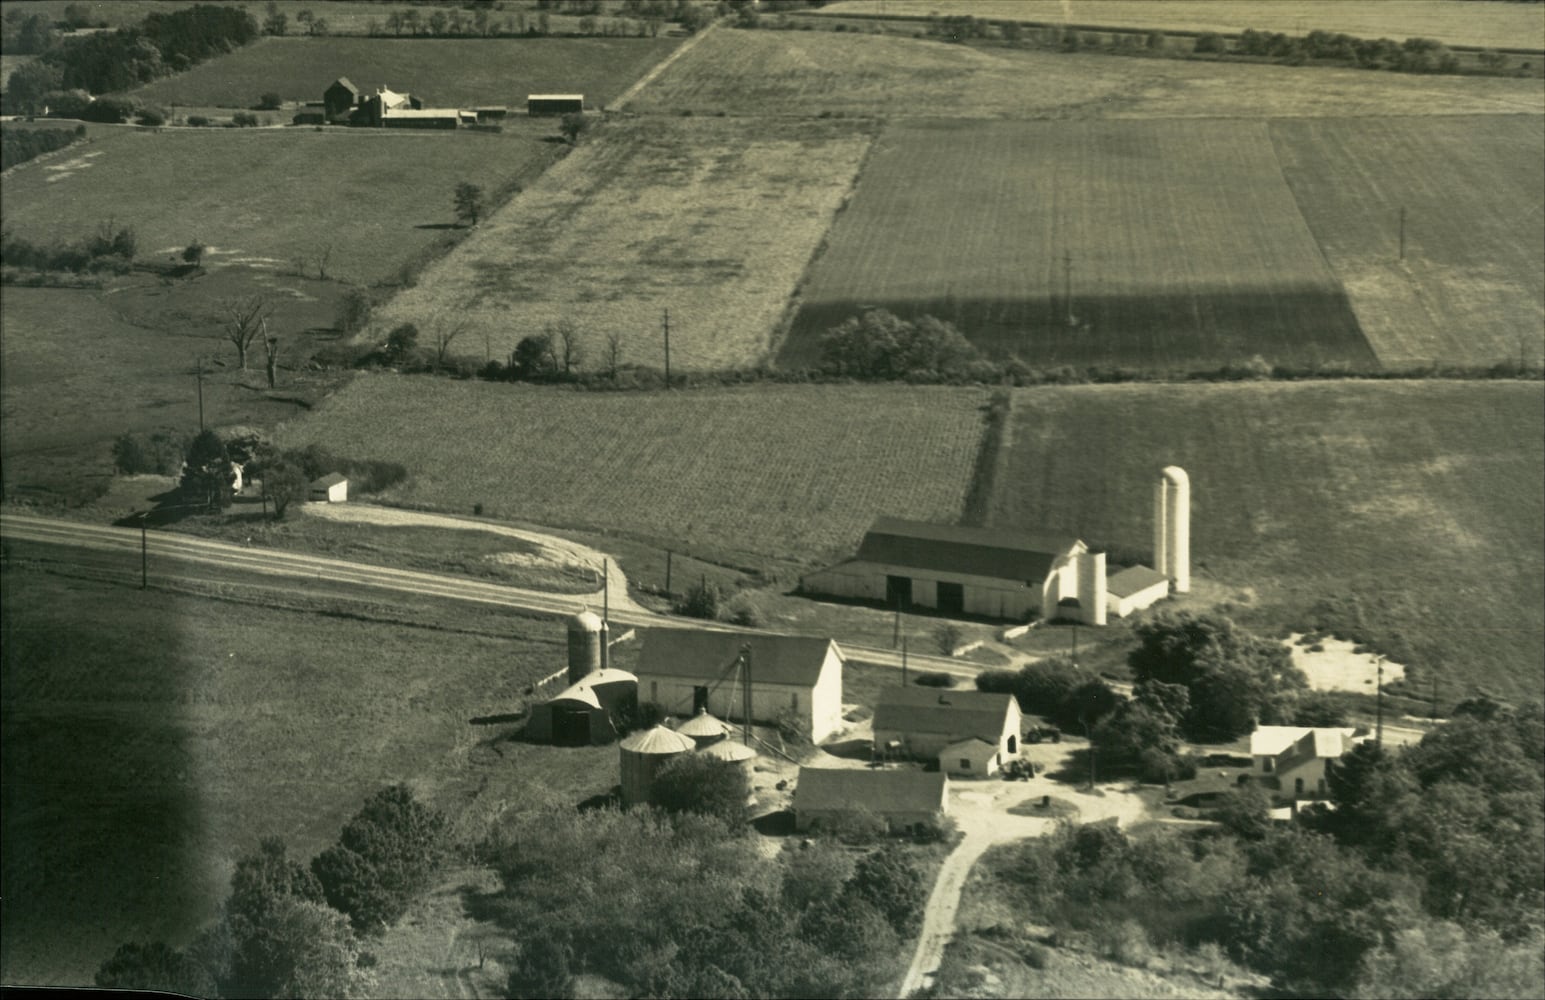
(898, 592)
(952, 598)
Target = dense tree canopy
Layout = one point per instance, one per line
(879, 344)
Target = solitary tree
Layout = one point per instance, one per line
(207, 477)
(564, 337)
(573, 125)
(401, 343)
(443, 337)
(613, 352)
(271, 359)
(193, 253)
(353, 311)
(469, 203)
(242, 320)
(283, 484)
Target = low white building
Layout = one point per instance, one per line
(969, 758)
(923, 722)
(1293, 758)
(687, 671)
(902, 798)
(331, 488)
(1134, 588)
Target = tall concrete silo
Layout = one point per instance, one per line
(587, 643)
(643, 755)
(1172, 527)
(1091, 587)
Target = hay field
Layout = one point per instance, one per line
(713, 220)
(1457, 22)
(1472, 286)
(792, 472)
(1423, 501)
(150, 739)
(1187, 249)
(260, 196)
(443, 71)
(806, 73)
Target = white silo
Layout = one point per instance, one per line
(1091, 587)
(587, 637)
(643, 755)
(1172, 527)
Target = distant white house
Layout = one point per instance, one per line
(331, 488)
(1293, 758)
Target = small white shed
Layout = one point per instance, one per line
(331, 488)
(969, 758)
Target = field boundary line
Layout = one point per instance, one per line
(660, 67)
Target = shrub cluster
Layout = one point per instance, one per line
(18, 145)
(164, 42)
(159, 453)
(1056, 689)
(110, 248)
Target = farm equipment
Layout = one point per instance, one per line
(1043, 734)
(1018, 770)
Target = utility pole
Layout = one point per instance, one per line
(200, 364)
(745, 708)
(1075, 644)
(896, 629)
(667, 572)
(1434, 713)
(1402, 232)
(667, 348)
(1067, 286)
(903, 661)
(606, 603)
(143, 543)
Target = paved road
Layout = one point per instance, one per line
(187, 554)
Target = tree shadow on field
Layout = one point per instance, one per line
(439, 225)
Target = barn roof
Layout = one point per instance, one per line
(1273, 741)
(881, 792)
(345, 83)
(932, 710)
(1004, 555)
(775, 659)
(1133, 580)
(972, 745)
(329, 480)
(555, 97)
(583, 690)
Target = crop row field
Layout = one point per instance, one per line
(151, 739)
(792, 472)
(1417, 507)
(810, 73)
(1152, 244)
(1495, 24)
(459, 72)
(714, 221)
(1471, 285)
(262, 197)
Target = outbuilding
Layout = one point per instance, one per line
(976, 571)
(590, 711)
(331, 488)
(1134, 588)
(686, 671)
(643, 756)
(1293, 759)
(969, 758)
(902, 798)
(555, 104)
(923, 722)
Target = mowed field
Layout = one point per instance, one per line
(790, 472)
(805, 73)
(1423, 501)
(459, 72)
(1493, 24)
(713, 220)
(1471, 288)
(263, 196)
(1186, 248)
(151, 739)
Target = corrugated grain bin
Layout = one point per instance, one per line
(703, 728)
(643, 755)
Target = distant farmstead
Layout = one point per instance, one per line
(345, 104)
(555, 104)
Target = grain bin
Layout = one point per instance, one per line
(733, 754)
(643, 755)
(703, 729)
(587, 639)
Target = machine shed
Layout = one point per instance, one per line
(589, 712)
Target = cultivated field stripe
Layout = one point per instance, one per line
(649, 77)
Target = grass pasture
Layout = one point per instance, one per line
(1494, 24)
(781, 471)
(150, 739)
(1422, 501)
(1187, 249)
(1472, 286)
(713, 220)
(808, 73)
(262, 196)
(443, 71)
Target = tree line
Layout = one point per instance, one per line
(18, 145)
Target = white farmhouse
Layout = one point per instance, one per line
(1293, 758)
(685, 671)
(926, 722)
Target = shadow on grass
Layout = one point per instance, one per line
(439, 225)
(913, 611)
(605, 800)
(495, 720)
(775, 824)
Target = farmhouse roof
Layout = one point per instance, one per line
(421, 113)
(1133, 580)
(932, 710)
(992, 552)
(775, 659)
(329, 480)
(971, 745)
(1274, 741)
(881, 792)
